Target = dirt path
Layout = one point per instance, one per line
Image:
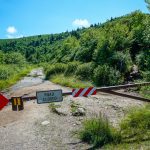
(24, 130)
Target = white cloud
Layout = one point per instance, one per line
(11, 30)
(14, 36)
(81, 23)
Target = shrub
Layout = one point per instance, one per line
(1, 57)
(146, 75)
(70, 81)
(85, 71)
(55, 69)
(5, 72)
(10, 74)
(105, 75)
(136, 125)
(71, 68)
(98, 131)
(143, 60)
(14, 58)
(145, 91)
(122, 61)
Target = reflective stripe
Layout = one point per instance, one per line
(82, 93)
(92, 91)
(19, 101)
(74, 92)
(15, 101)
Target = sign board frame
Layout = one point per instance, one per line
(47, 94)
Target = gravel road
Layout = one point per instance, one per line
(25, 130)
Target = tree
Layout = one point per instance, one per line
(148, 2)
(14, 58)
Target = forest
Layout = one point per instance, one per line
(110, 53)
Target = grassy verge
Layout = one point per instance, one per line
(144, 145)
(134, 130)
(16, 75)
(145, 91)
(98, 132)
(69, 81)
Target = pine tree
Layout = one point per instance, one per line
(148, 2)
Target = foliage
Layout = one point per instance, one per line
(1, 57)
(146, 76)
(121, 61)
(145, 91)
(10, 74)
(53, 107)
(71, 68)
(98, 131)
(148, 2)
(12, 58)
(5, 72)
(143, 60)
(136, 125)
(54, 69)
(105, 75)
(119, 43)
(74, 106)
(133, 129)
(129, 146)
(85, 71)
(69, 81)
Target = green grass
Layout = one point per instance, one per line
(16, 75)
(136, 125)
(98, 132)
(74, 106)
(69, 81)
(53, 107)
(145, 91)
(133, 133)
(143, 145)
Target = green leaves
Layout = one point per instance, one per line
(148, 2)
(118, 43)
(105, 75)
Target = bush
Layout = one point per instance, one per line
(136, 126)
(105, 75)
(121, 61)
(55, 69)
(5, 72)
(146, 75)
(143, 60)
(145, 91)
(85, 71)
(69, 81)
(14, 58)
(10, 74)
(1, 57)
(71, 68)
(98, 131)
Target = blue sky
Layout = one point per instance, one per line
(33, 17)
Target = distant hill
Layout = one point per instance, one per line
(116, 42)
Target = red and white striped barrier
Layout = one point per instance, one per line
(84, 92)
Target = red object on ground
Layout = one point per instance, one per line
(3, 101)
(84, 92)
